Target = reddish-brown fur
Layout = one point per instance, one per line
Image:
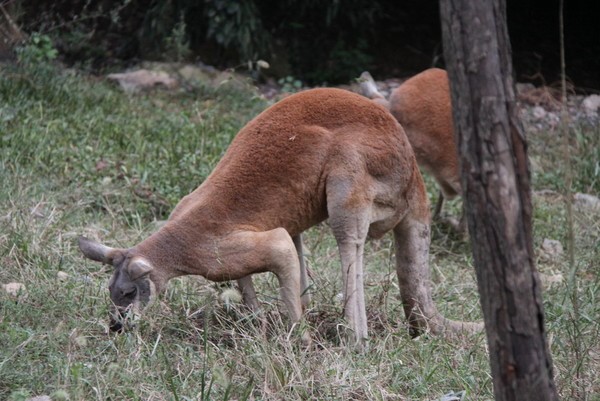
(322, 153)
(293, 155)
(423, 107)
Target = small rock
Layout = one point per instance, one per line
(591, 104)
(136, 81)
(263, 64)
(551, 249)
(15, 289)
(62, 276)
(549, 279)
(452, 396)
(586, 202)
(552, 118)
(538, 112)
(196, 75)
(523, 87)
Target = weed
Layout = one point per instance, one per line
(177, 44)
(549, 167)
(38, 49)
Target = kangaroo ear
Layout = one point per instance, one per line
(96, 251)
(138, 268)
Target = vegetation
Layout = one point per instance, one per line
(221, 32)
(77, 156)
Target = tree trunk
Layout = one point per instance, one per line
(10, 34)
(496, 189)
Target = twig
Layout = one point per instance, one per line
(577, 391)
(13, 32)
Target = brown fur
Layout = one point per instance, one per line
(423, 107)
(322, 153)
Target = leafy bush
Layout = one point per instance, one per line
(238, 25)
(290, 84)
(321, 41)
(178, 45)
(37, 49)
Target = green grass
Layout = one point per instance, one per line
(77, 156)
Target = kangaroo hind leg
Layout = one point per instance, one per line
(411, 238)
(303, 270)
(255, 252)
(349, 222)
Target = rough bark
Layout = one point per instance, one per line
(496, 189)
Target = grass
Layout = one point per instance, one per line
(77, 156)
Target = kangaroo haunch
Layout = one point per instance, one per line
(422, 106)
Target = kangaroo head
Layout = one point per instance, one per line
(131, 286)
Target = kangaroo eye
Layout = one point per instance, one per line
(129, 292)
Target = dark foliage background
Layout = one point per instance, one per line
(316, 41)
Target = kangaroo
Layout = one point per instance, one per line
(316, 155)
(422, 106)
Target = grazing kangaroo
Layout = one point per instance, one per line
(319, 154)
(423, 108)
